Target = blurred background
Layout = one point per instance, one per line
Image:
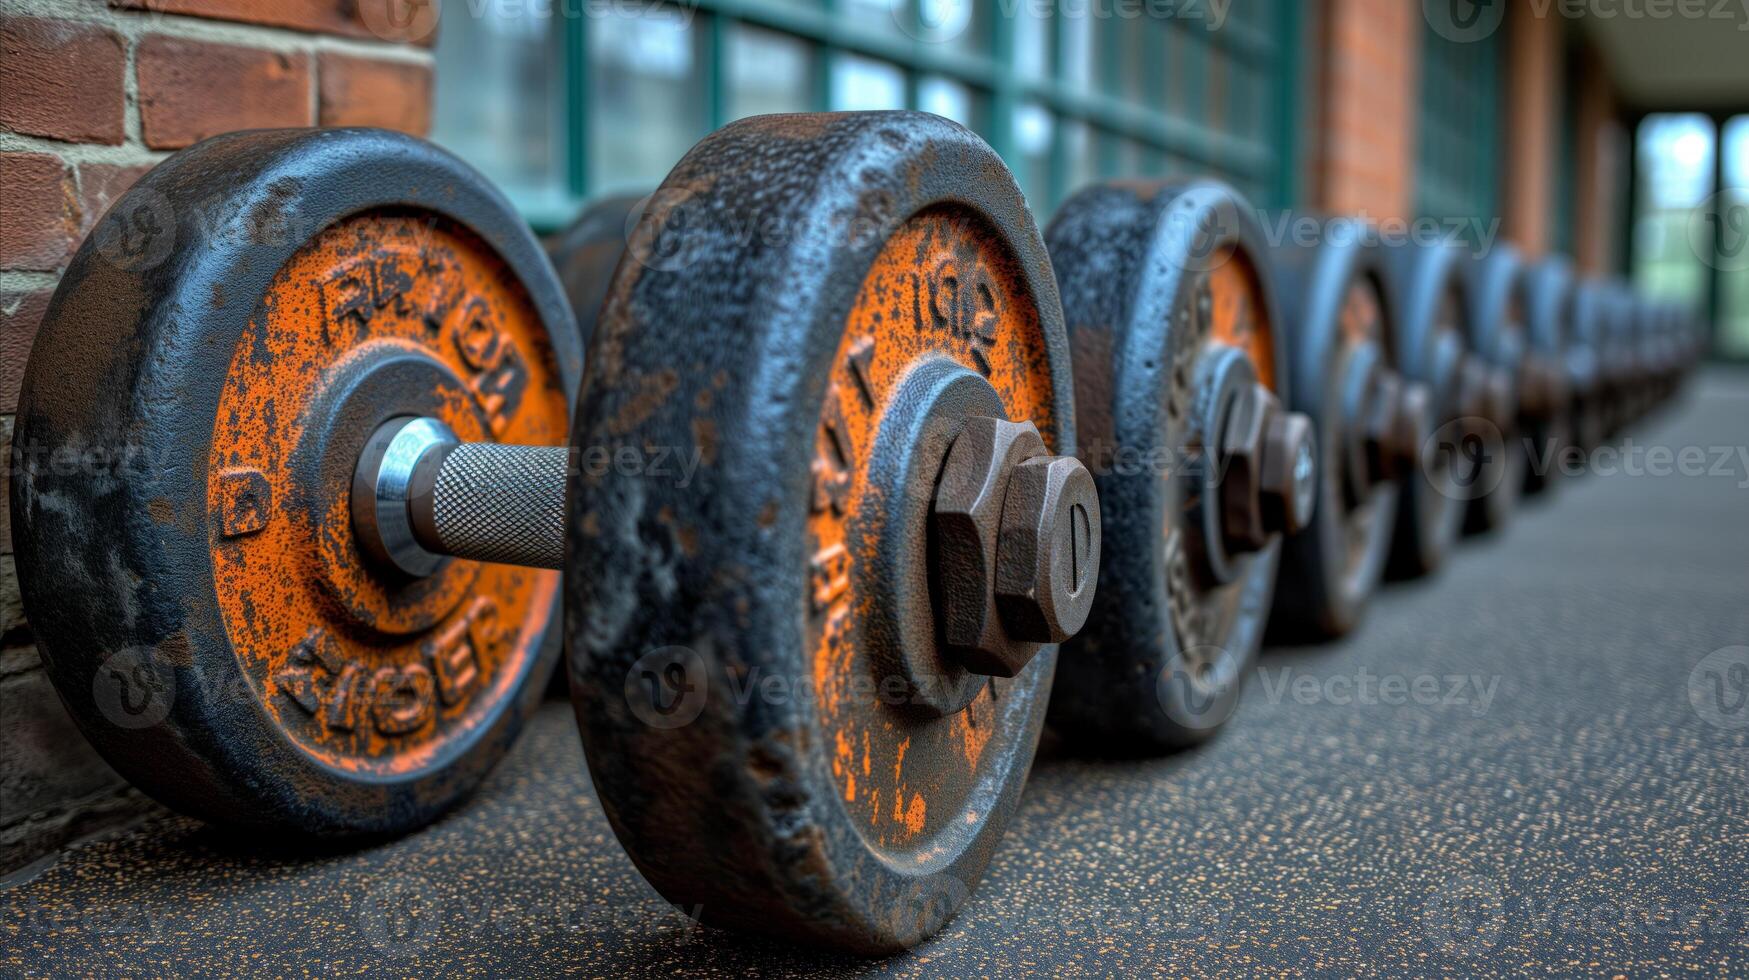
(1615, 132)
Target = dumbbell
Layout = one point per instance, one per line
(809, 675)
(1338, 320)
(1623, 375)
(1498, 301)
(1545, 392)
(1183, 393)
(588, 251)
(1585, 366)
(1472, 401)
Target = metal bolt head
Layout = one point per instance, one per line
(1290, 472)
(1241, 477)
(967, 521)
(1047, 554)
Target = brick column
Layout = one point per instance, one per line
(1600, 162)
(1367, 108)
(92, 95)
(1533, 79)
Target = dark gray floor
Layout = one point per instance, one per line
(1547, 797)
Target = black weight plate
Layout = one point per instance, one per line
(232, 332)
(1433, 302)
(1498, 301)
(1549, 302)
(586, 253)
(1336, 314)
(1585, 364)
(1159, 280)
(736, 633)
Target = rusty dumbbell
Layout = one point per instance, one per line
(1199, 459)
(356, 475)
(1371, 424)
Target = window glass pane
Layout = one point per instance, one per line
(1676, 177)
(875, 16)
(1032, 37)
(768, 72)
(962, 25)
(1033, 129)
(863, 83)
(503, 112)
(647, 103)
(1079, 156)
(1733, 249)
(946, 97)
(1076, 26)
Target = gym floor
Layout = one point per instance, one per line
(1529, 763)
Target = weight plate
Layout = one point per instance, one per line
(586, 253)
(1337, 319)
(1549, 303)
(1161, 282)
(297, 289)
(808, 308)
(1497, 299)
(1434, 305)
(1585, 364)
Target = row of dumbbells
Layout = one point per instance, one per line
(857, 468)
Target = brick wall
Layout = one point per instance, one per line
(92, 95)
(1600, 160)
(1534, 75)
(1366, 107)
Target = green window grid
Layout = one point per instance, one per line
(1064, 100)
(1458, 168)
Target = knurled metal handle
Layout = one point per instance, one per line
(420, 494)
(496, 503)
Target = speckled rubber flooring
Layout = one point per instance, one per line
(1527, 764)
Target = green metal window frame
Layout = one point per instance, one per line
(1458, 145)
(1264, 165)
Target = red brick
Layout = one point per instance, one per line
(389, 20)
(61, 80)
(368, 92)
(190, 90)
(39, 216)
(21, 313)
(100, 185)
